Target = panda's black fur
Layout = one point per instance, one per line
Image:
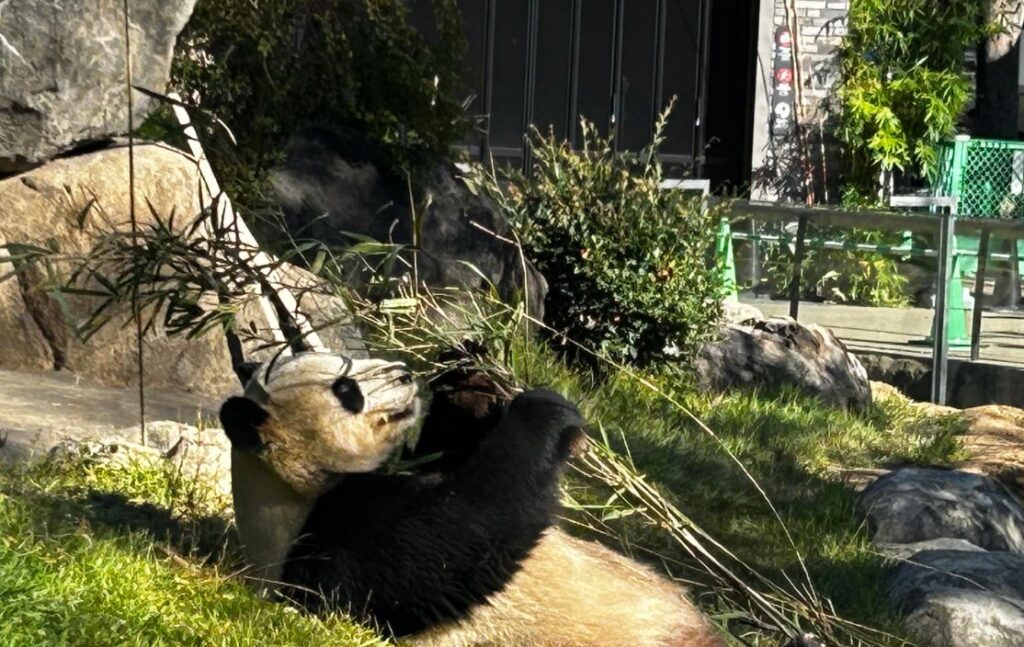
(407, 552)
(465, 405)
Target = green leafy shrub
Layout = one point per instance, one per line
(358, 67)
(627, 263)
(903, 85)
(844, 276)
(865, 279)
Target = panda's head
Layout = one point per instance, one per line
(313, 416)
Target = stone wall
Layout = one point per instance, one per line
(820, 25)
(779, 162)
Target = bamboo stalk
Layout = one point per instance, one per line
(136, 315)
(225, 217)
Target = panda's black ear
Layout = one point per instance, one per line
(242, 419)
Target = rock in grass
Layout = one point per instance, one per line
(783, 352)
(955, 598)
(902, 552)
(62, 71)
(735, 312)
(198, 455)
(916, 504)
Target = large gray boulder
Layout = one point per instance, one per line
(901, 552)
(62, 71)
(326, 193)
(780, 351)
(953, 598)
(916, 504)
(40, 207)
(737, 312)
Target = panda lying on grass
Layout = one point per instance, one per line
(462, 552)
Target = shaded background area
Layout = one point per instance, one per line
(618, 63)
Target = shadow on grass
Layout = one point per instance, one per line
(819, 513)
(207, 539)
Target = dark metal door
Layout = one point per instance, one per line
(547, 63)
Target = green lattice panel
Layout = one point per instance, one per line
(987, 175)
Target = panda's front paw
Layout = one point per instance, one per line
(572, 442)
(544, 407)
(549, 417)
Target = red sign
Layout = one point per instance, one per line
(783, 77)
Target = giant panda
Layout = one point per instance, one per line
(465, 555)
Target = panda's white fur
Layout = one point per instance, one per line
(568, 592)
(576, 593)
(308, 436)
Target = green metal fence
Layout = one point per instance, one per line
(987, 178)
(985, 175)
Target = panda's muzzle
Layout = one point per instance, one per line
(351, 396)
(403, 414)
(386, 390)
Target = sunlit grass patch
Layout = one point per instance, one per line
(99, 554)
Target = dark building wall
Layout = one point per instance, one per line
(547, 63)
(730, 95)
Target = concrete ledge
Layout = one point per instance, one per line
(40, 410)
(971, 384)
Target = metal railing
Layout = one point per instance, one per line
(940, 220)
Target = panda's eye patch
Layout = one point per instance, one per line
(348, 393)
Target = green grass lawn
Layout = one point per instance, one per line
(97, 554)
